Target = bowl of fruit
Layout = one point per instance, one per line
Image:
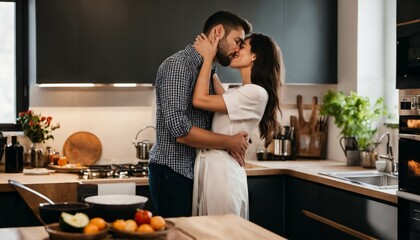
(78, 226)
(143, 225)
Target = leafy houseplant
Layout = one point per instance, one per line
(354, 115)
(36, 127)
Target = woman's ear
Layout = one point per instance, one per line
(254, 56)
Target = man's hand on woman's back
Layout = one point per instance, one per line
(239, 145)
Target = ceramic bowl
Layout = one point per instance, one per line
(380, 165)
(113, 207)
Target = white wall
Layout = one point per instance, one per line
(366, 59)
(377, 58)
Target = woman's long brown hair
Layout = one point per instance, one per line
(268, 72)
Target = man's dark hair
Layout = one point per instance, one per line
(229, 21)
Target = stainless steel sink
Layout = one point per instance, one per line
(375, 179)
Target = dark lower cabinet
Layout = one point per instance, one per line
(266, 198)
(315, 211)
(14, 212)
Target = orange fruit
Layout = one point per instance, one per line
(119, 224)
(91, 229)
(145, 228)
(157, 223)
(62, 161)
(130, 225)
(99, 222)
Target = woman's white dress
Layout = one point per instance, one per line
(220, 183)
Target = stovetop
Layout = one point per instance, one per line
(115, 171)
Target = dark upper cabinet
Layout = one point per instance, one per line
(58, 51)
(96, 41)
(124, 41)
(310, 41)
(408, 10)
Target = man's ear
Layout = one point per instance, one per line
(219, 31)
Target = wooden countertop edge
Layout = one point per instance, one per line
(263, 171)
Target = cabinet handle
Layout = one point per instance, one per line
(337, 226)
(408, 23)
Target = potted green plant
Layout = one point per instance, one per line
(355, 116)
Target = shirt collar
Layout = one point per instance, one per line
(196, 58)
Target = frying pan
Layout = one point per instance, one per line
(50, 211)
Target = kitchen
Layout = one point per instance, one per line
(115, 115)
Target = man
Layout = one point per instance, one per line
(181, 128)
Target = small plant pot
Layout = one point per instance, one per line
(353, 157)
(367, 159)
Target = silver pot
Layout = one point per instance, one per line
(280, 149)
(143, 147)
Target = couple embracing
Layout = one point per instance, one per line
(196, 165)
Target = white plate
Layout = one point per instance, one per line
(37, 171)
(116, 199)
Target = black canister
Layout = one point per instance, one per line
(14, 157)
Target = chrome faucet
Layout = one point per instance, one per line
(390, 156)
(387, 142)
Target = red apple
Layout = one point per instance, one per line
(142, 216)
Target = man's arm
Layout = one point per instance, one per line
(236, 145)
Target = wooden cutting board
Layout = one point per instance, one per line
(217, 227)
(82, 147)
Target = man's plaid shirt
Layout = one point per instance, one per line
(175, 114)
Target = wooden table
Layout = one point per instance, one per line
(187, 228)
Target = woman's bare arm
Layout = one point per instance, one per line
(218, 88)
(202, 98)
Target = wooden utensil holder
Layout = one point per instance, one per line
(310, 136)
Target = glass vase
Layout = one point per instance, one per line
(37, 155)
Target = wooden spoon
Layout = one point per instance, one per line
(305, 128)
(313, 118)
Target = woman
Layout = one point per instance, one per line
(220, 183)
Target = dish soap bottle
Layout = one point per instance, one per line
(14, 157)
